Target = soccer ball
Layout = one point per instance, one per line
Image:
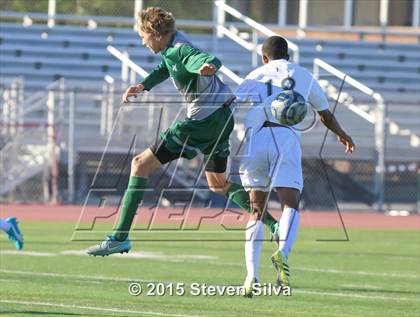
(289, 107)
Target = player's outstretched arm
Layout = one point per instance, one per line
(132, 91)
(328, 119)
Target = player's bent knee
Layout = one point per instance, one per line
(141, 165)
(217, 182)
(137, 162)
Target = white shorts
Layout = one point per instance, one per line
(272, 159)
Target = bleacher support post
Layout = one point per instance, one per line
(110, 118)
(124, 69)
(13, 115)
(218, 19)
(71, 148)
(103, 109)
(133, 77)
(380, 142)
(52, 144)
(303, 13)
(20, 97)
(138, 5)
(107, 106)
(61, 104)
(383, 17)
(281, 15)
(51, 13)
(416, 13)
(348, 13)
(255, 50)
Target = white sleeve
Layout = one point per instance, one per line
(249, 90)
(317, 97)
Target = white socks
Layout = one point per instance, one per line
(4, 225)
(289, 223)
(254, 236)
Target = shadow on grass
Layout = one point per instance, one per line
(50, 313)
(364, 254)
(41, 313)
(369, 290)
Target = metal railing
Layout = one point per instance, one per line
(394, 127)
(51, 18)
(129, 69)
(107, 105)
(13, 107)
(24, 156)
(22, 147)
(378, 119)
(356, 33)
(219, 30)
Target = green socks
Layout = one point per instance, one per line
(239, 196)
(132, 198)
(135, 192)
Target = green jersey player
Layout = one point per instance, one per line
(206, 129)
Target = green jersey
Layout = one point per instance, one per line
(181, 61)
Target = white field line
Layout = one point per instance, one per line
(137, 312)
(184, 258)
(317, 293)
(373, 297)
(368, 287)
(396, 275)
(27, 253)
(332, 271)
(150, 255)
(133, 255)
(76, 276)
(111, 310)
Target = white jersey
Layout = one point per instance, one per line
(254, 88)
(273, 155)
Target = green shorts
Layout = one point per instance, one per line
(209, 136)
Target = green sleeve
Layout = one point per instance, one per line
(158, 74)
(192, 58)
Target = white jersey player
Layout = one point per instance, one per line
(273, 158)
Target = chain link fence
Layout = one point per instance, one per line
(330, 175)
(102, 160)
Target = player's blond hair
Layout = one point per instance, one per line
(156, 20)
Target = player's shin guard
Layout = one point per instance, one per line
(240, 196)
(254, 236)
(132, 198)
(289, 224)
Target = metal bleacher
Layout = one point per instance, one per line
(391, 69)
(42, 54)
(78, 54)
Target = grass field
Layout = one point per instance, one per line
(376, 273)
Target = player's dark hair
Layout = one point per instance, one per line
(275, 47)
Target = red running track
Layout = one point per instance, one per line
(231, 217)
